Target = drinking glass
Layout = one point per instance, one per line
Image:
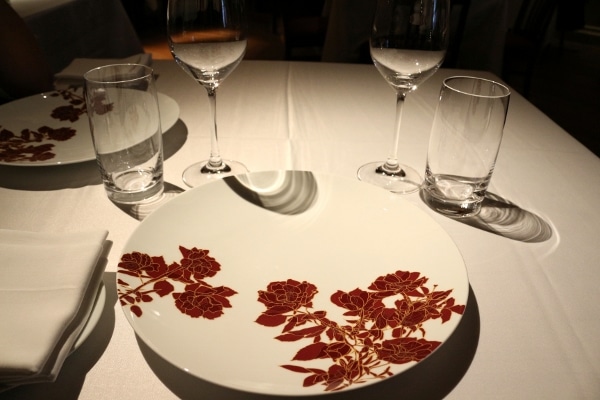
(208, 40)
(124, 119)
(465, 139)
(408, 44)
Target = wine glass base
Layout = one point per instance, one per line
(197, 174)
(406, 181)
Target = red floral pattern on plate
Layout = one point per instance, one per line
(198, 298)
(373, 336)
(33, 144)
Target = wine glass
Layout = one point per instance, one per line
(408, 44)
(208, 40)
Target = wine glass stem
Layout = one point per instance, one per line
(391, 165)
(215, 162)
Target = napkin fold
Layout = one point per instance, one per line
(48, 284)
(73, 73)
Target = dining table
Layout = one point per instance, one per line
(530, 327)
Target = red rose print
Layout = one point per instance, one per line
(99, 106)
(198, 298)
(375, 336)
(197, 264)
(398, 282)
(357, 302)
(404, 350)
(6, 135)
(387, 317)
(20, 147)
(70, 112)
(60, 134)
(136, 263)
(287, 296)
(67, 113)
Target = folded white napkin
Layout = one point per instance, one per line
(79, 66)
(48, 284)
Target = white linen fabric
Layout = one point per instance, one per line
(48, 283)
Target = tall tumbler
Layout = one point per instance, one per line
(464, 143)
(124, 118)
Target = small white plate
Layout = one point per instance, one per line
(93, 318)
(286, 286)
(35, 112)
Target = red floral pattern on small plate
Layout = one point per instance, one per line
(52, 128)
(37, 144)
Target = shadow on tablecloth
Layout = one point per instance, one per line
(501, 217)
(433, 378)
(142, 210)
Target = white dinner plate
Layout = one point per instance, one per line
(35, 112)
(279, 282)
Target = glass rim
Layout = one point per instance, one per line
(506, 92)
(89, 75)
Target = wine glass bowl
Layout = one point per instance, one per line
(405, 69)
(209, 56)
(208, 41)
(408, 44)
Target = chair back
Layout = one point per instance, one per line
(534, 19)
(304, 26)
(459, 9)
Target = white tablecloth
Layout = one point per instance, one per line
(531, 326)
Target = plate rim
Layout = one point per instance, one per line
(93, 318)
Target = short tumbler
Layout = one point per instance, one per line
(124, 120)
(465, 138)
